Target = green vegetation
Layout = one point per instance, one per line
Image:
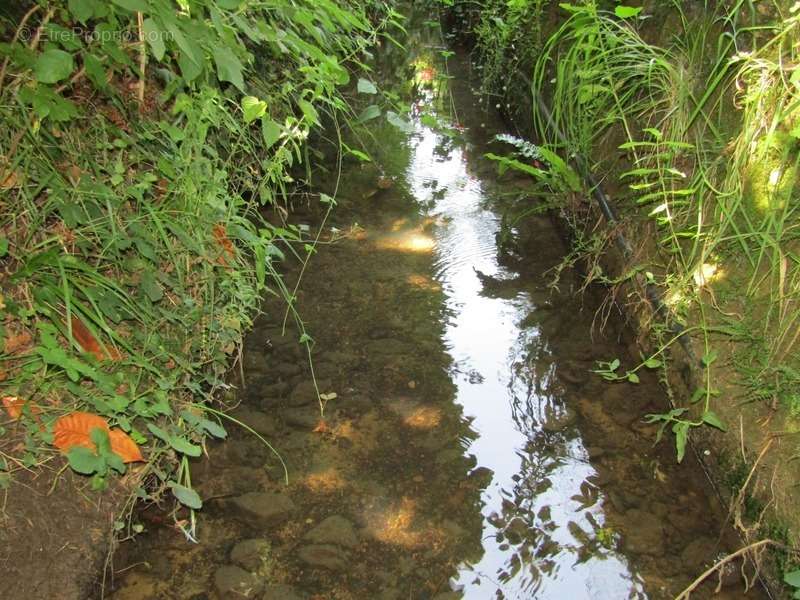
(140, 140)
(701, 138)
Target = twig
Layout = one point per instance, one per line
(684, 595)
(142, 60)
(17, 33)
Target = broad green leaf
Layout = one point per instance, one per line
(3, 246)
(186, 496)
(365, 86)
(53, 65)
(711, 418)
(253, 108)
(229, 67)
(83, 461)
(155, 37)
(633, 377)
(652, 363)
(626, 12)
(613, 365)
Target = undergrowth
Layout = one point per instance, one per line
(141, 142)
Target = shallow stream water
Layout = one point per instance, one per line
(469, 452)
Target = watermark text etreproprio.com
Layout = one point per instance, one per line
(74, 34)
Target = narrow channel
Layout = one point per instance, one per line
(467, 451)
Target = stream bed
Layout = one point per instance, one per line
(468, 452)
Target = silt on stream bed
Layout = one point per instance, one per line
(468, 452)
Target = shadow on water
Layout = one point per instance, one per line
(468, 451)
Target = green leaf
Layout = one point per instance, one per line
(133, 5)
(186, 496)
(3, 246)
(681, 431)
(399, 122)
(95, 70)
(155, 38)
(365, 86)
(626, 12)
(652, 363)
(614, 365)
(369, 113)
(709, 357)
(84, 461)
(229, 67)
(53, 65)
(633, 377)
(83, 10)
(184, 446)
(253, 108)
(271, 132)
(792, 578)
(711, 418)
(151, 286)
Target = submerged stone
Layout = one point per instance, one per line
(282, 592)
(643, 533)
(233, 582)
(264, 508)
(334, 530)
(250, 554)
(326, 556)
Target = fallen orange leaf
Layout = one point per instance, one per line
(16, 342)
(221, 237)
(89, 343)
(322, 427)
(13, 406)
(73, 430)
(124, 446)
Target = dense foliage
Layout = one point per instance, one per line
(139, 140)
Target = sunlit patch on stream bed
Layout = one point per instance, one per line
(469, 451)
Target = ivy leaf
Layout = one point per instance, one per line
(626, 12)
(365, 86)
(229, 67)
(186, 496)
(253, 108)
(53, 65)
(155, 37)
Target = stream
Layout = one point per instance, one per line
(466, 450)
